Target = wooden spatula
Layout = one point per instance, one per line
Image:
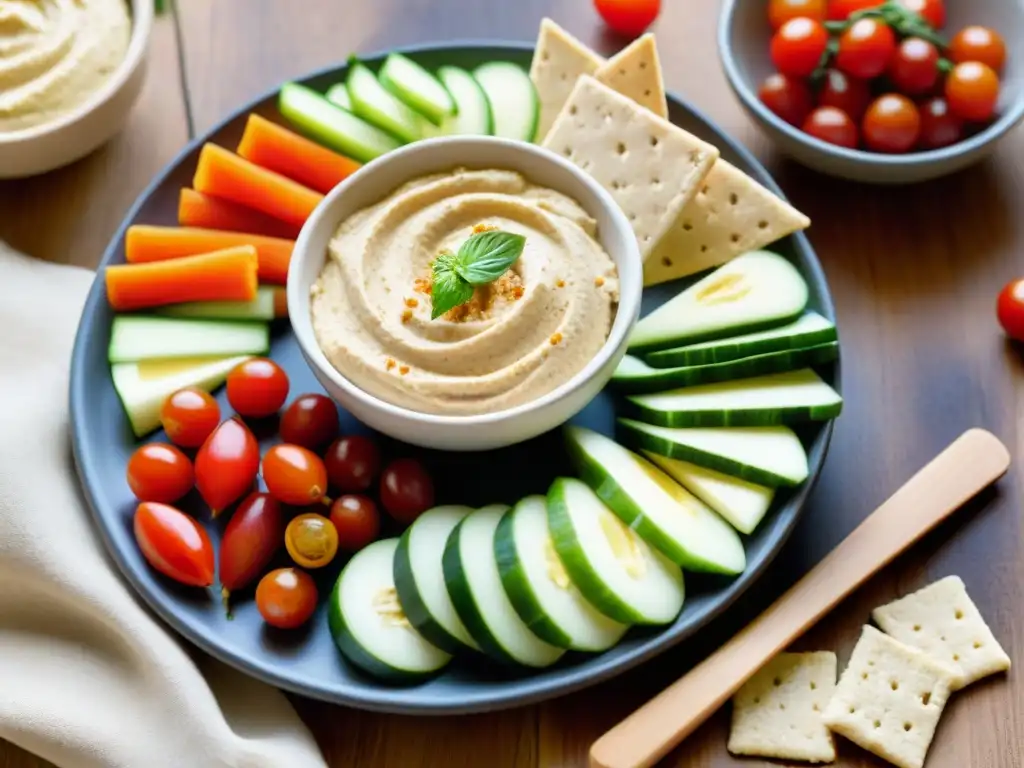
(972, 462)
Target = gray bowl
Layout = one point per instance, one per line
(743, 38)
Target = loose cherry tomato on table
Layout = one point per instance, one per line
(406, 490)
(311, 540)
(932, 11)
(798, 45)
(840, 10)
(866, 48)
(310, 421)
(832, 125)
(294, 475)
(972, 90)
(352, 463)
(257, 387)
(357, 521)
(226, 465)
(914, 68)
(189, 416)
(174, 544)
(841, 91)
(788, 97)
(939, 126)
(252, 537)
(628, 17)
(1010, 309)
(891, 124)
(781, 11)
(978, 44)
(286, 598)
(159, 472)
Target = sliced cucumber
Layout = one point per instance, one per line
(809, 330)
(634, 375)
(419, 579)
(143, 387)
(143, 337)
(369, 625)
(474, 110)
(661, 511)
(610, 564)
(742, 503)
(540, 588)
(755, 291)
(332, 126)
(474, 584)
(780, 398)
(337, 94)
(770, 456)
(372, 102)
(260, 308)
(513, 99)
(415, 86)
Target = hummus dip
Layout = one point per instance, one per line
(519, 337)
(55, 55)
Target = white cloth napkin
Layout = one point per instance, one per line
(87, 678)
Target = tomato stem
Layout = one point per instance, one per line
(225, 596)
(904, 22)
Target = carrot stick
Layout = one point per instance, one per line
(224, 174)
(227, 275)
(149, 243)
(278, 149)
(198, 210)
(280, 303)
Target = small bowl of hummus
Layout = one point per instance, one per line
(70, 71)
(465, 293)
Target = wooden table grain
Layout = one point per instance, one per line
(914, 273)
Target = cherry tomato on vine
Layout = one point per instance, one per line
(294, 475)
(286, 598)
(357, 521)
(310, 421)
(226, 465)
(406, 490)
(189, 416)
(174, 544)
(788, 97)
(840, 10)
(781, 11)
(797, 46)
(257, 387)
(972, 90)
(914, 68)
(939, 126)
(832, 125)
(1010, 309)
(891, 124)
(847, 93)
(628, 17)
(352, 463)
(252, 537)
(932, 11)
(311, 540)
(866, 48)
(159, 472)
(978, 44)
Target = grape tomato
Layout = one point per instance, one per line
(356, 520)
(798, 45)
(159, 472)
(932, 11)
(251, 539)
(832, 125)
(891, 124)
(1010, 309)
(628, 17)
(226, 465)
(310, 421)
(189, 416)
(849, 94)
(914, 68)
(286, 598)
(866, 48)
(311, 540)
(781, 11)
(788, 97)
(939, 126)
(257, 388)
(406, 490)
(972, 91)
(840, 10)
(352, 463)
(294, 475)
(174, 544)
(977, 43)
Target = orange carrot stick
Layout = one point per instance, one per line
(149, 243)
(198, 210)
(224, 174)
(282, 151)
(227, 275)
(280, 303)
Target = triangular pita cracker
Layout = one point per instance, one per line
(558, 60)
(635, 71)
(732, 214)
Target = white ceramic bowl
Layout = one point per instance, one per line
(376, 180)
(61, 142)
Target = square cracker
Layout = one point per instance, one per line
(777, 713)
(889, 699)
(558, 60)
(944, 622)
(651, 168)
(730, 215)
(635, 71)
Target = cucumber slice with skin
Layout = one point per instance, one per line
(144, 337)
(260, 308)
(771, 456)
(474, 110)
(368, 624)
(335, 128)
(662, 512)
(474, 584)
(337, 94)
(809, 330)
(755, 291)
(419, 579)
(540, 588)
(513, 99)
(780, 398)
(609, 563)
(417, 87)
(743, 504)
(372, 102)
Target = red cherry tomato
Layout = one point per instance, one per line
(174, 544)
(189, 416)
(932, 11)
(310, 421)
(866, 48)
(832, 125)
(840, 10)
(252, 537)
(891, 124)
(294, 475)
(1010, 309)
(628, 17)
(286, 598)
(159, 472)
(978, 44)
(357, 521)
(406, 490)
(352, 463)
(972, 90)
(843, 92)
(914, 68)
(939, 126)
(781, 11)
(788, 97)
(226, 465)
(797, 46)
(257, 387)
(311, 540)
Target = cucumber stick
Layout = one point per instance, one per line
(142, 337)
(337, 94)
(372, 102)
(513, 99)
(474, 110)
(260, 308)
(415, 86)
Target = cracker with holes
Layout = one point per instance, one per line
(944, 622)
(889, 699)
(558, 61)
(778, 712)
(651, 168)
(732, 214)
(635, 72)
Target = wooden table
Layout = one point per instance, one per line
(914, 273)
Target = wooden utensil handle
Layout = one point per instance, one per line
(969, 464)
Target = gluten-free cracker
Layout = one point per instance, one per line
(730, 215)
(651, 168)
(889, 699)
(558, 60)
(778, 712)
(635, 72)
(944, 622)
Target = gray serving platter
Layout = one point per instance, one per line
(306, 661)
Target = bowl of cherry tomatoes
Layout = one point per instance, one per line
(892, 91)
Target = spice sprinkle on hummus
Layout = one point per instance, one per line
(371, 307)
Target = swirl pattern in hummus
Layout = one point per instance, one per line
(521, 336)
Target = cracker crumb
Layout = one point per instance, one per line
(403, 369)
(560, 283)
(517, 292)
(390, 363)
(406, 315)
(422, 285)
(478, 228)
(556, 338)
(411, 303)
(506, 288)
(598, 281)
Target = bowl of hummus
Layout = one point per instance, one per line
(70, 71)
(465, 293)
